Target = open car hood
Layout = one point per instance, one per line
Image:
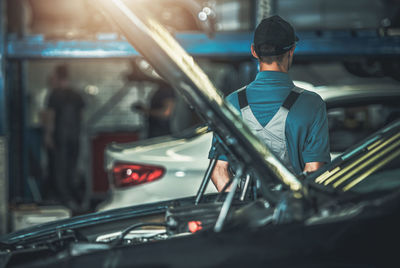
(170, 60)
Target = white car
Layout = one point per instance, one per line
(157, 169)
(168, 167)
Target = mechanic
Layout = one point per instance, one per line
(159, 113)
(62, 122)
(290, 120)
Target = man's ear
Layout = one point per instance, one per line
(253, 52)
(289, 53)
(292, 50)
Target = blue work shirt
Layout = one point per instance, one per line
(307, 135)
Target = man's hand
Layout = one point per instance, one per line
(138, 107)
(220, 175)
(312, 166)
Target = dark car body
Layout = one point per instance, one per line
(344, 215)
(362, 241)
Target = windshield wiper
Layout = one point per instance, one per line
(358, 162)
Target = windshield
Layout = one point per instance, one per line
(373, 165)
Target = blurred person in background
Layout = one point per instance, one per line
(62, 124)
(167, 113)
(159, 112)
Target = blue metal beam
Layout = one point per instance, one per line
(325, 44)
(196, 44)
(347, 43)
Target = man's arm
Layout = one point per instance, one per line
(165, 111)
(220, 175)
(316, 151)
(312, 166)
(162, 112)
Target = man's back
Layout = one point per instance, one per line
(306, 126)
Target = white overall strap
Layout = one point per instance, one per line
(273, 134)
(278, 122)
(247, 114)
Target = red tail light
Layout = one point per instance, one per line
(134, 174)
(195, 226)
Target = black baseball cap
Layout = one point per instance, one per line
(276, 32)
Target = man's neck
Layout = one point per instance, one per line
(275, 67)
